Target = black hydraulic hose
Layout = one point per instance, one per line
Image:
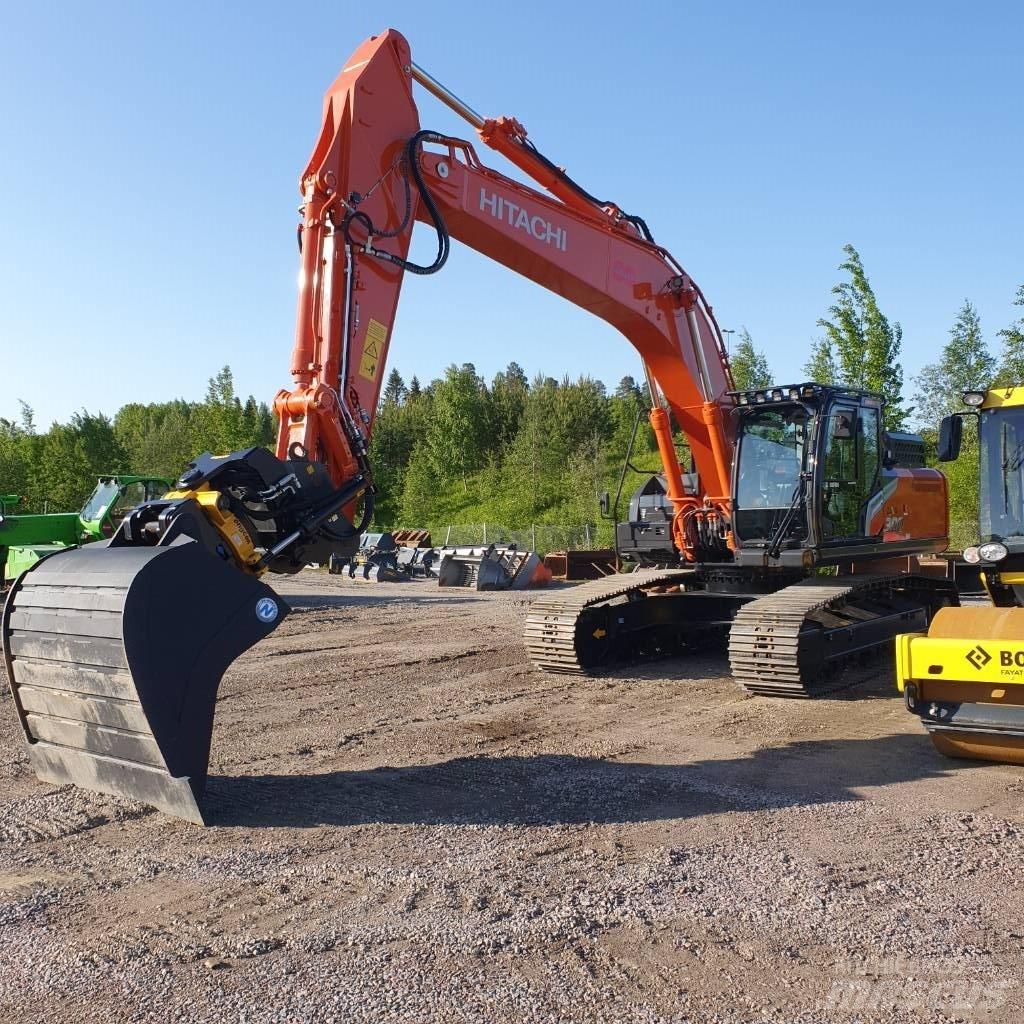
(638, 222)
(443, 240)
(369, 501)
(316, 519)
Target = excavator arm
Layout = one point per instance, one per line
(114, 652)
(374, 172)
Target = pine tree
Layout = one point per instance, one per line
(267, 426)
(964, 364)
(629, 403)
(864, 344)
(749, 365)
(395, 389)
(414, 387)
(250, 423)
(628, 390)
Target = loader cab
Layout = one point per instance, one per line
(808, 461)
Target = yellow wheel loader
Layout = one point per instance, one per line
(964, 678)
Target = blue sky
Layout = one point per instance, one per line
(150, 155)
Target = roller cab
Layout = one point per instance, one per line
(964, 679)
(114, 656)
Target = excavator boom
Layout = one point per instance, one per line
(374, 172)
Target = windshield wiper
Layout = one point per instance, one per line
(775, 544)
(1005, 461)
(1016, 460)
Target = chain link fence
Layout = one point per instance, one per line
(542, 537)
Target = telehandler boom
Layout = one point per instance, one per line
(115, 653)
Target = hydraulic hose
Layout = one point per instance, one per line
(638, 222)
(443, 241)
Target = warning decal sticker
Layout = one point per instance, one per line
(373, 351)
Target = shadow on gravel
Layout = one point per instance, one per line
(342, 599)
(870, 678)
(553, 789)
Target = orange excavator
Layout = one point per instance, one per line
(115, 651)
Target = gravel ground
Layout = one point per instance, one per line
(410, 824)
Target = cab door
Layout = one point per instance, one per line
(129, 496)
(850, 465)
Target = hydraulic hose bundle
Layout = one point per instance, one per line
(410, 165)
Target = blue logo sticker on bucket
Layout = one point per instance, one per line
(266, 609)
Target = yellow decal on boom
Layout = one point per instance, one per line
(373, 350)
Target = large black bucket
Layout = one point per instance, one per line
(114, 656)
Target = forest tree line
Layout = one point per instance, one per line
(512, 451)
(56, 470)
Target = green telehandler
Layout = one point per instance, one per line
(24, 539)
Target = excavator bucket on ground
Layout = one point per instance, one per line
(491, 568)
(114, 657)
(964, 678)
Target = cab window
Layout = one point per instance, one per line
(849, 470)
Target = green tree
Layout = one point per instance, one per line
(965, 363)
(28, 417)
(250, 420)
(627, 390)
(508, 399)
(16, 460)
(962, 479)
(560, 454)
(395, 389)
(456, 438)
(749, 365)
(396, 432)
(420, 491)
(69, 458)
(629, 403)
(159, 438)
(864, 344)
(1011, 363)
(821, 366)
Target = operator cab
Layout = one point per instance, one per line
(114, 497)
(808, 462)
(999, 414)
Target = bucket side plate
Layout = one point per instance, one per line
(114, 656)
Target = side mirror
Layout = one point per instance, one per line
(606, 504)
(951, 432)
(842, 426)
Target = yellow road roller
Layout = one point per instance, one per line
(964, 678)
